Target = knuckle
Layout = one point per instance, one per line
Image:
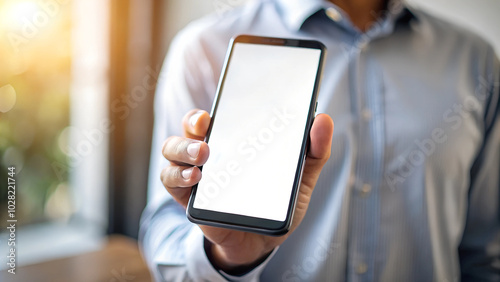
(169, 175)
(179, 148)
(168, 144)
(173, 148)
(163, 177)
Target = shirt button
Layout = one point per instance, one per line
(366, 114)
(352, 180)
(363, 46)
(365, 190)
(362, 268)
(333, 14)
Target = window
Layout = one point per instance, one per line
(34, 88)
(53, 97)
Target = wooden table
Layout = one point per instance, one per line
(118, 261)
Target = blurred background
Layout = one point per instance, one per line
(77, 82)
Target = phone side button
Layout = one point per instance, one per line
(316, 108)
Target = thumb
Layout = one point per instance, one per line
(321, 137)
(319, 149)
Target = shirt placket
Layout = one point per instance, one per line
(364, 221)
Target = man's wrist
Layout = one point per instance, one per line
(232, 269)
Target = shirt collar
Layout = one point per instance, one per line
(296, 12)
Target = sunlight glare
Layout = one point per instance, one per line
(16, 13)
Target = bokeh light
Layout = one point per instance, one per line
(35, 77)
(7, 98)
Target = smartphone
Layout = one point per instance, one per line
(258, 135)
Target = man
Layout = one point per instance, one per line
(411, 191)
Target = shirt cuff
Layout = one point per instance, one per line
(201, 269)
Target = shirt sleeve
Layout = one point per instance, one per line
(480, 247)
(171, 245)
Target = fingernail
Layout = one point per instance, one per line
(186, 174)
(194, 118)
(193, 149)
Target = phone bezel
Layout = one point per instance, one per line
(247, 223)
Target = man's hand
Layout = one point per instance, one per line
(236, 250)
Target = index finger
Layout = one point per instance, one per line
(195, 124)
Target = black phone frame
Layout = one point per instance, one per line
(247, 223)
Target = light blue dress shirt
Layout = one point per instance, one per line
(411, 192)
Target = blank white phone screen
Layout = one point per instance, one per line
(258, 130)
